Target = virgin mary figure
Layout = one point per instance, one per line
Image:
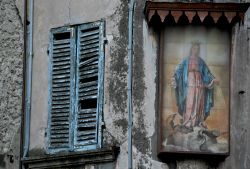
(194, 86)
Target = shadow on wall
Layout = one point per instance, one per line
(210, 161)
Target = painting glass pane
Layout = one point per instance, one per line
(195, 90)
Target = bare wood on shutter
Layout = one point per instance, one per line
(88, 78)
(76, 87)
(60, 89)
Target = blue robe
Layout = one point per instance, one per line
(181, 79)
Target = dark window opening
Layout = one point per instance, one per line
(61, 36)
(89, 79)
(88, 103)
(86, 128)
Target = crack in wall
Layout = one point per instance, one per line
(69, 13)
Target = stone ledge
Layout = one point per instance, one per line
(72, 159)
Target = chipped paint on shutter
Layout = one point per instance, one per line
(61, 89)
(76, 71)
(89, 86)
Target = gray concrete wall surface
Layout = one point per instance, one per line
(11, 66)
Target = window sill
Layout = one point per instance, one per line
(103, 155)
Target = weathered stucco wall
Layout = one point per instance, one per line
(54, 13)
(11, 54)
(49, 14)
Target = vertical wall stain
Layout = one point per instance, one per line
(141, 142)
(118, 66)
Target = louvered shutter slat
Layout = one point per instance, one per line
(88, 88)
(89, 67)
(89, 55)
(87, 64)
(85, 111)
(60, 42)
(59, 55)
(61, 50)
(88, 71)
(89, 46)
(61, 62)
(92, 92)
(61, 73)
(60, 132)
(61, 46)
(61, 59)
(55, 85)
(90, 32)
(90, 50)
(61, 67)
(60, 106)
(62, 118)
(88, 76)
(94, 41)
(61, 114)
(61, 89)
(75, 86)
(89, 38)
(88, 97)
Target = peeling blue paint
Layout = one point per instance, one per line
(75, 62)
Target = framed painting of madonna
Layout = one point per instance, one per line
(194, 90)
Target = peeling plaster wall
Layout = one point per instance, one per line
(49, 14)
(54, 13)
(11, 66)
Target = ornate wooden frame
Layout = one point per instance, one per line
(216, 10)
(233, 12)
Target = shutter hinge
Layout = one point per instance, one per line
(48, 49)
(46, 132)
(105, 40)
(103, 125)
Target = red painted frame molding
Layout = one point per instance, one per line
(215, 10)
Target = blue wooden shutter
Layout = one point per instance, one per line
(89, 85)
(61, 88)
